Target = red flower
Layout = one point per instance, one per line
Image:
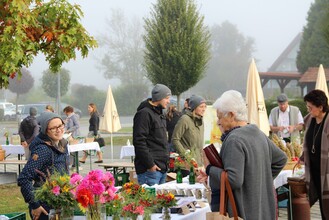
(85, 197)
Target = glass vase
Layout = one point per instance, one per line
(166, 213)
(67, 213)
(179, 176)
(54, 214)
(96, 212)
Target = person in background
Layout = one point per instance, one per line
(249, 157)
(286, 120)
(72, 126)
(172, 118)
(150, 138)
(49, 108)
(49, 153)
(315, 150)
(186, 107)
(93, 131)
(189, 130)
(28, 130)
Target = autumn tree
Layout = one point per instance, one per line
(314, 46)
(29, 27)
(21, 84)
(177, 45)
(49, 82)
(231, 52)
(123, 49)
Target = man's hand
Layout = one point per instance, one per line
(154, 168)
(37, 212)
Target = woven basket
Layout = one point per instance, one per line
(290, 165)
(89, 140)
(2, 155)
(73, 141)
(297, 184)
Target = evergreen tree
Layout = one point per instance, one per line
(177, 45)
(314, 47)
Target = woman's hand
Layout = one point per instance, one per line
(202, 177)
(205, 160)
(37, 212)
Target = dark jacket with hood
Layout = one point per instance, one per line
(44, 156)
(150, 138)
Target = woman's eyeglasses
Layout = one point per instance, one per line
(54, 129)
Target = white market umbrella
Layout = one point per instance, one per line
(257, 113)
(321, 81)
(110, 121)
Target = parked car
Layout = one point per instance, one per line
(3, 106)
(10, 112)
(41, 107)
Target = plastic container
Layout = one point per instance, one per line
(16, 215)
(121, 179)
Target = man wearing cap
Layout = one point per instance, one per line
(150, 138)
(28, 130)
(286, 120)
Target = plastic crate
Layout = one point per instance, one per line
(16, 216)
(121, 179)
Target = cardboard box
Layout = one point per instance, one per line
(133, 176)
(15, 139)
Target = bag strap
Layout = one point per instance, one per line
(222, 201)
(226, 187)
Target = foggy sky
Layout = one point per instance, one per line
(273, 25)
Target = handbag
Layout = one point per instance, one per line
(100, 141)
(225, 190)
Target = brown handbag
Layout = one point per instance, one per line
(225, 190)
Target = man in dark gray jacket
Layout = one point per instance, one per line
(150, 138)
(28, 130)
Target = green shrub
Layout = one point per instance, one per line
(270, 104)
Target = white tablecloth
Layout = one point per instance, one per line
(127, 151)
(13, 149)
(281, 179)
(84, 146)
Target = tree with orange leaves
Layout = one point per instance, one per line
(29, 27)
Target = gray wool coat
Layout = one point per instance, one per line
(312, 195)
(252, 162)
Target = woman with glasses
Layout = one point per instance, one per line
(49, 153)
(315, 150)
(250, 159)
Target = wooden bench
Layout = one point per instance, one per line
(13, 162)
(117, 167)
(119, 170)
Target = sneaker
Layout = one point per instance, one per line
(99, 161)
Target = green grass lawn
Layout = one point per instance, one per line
(12, 200)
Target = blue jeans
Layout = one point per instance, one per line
(151, 178)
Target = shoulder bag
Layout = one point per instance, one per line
(225, 190)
